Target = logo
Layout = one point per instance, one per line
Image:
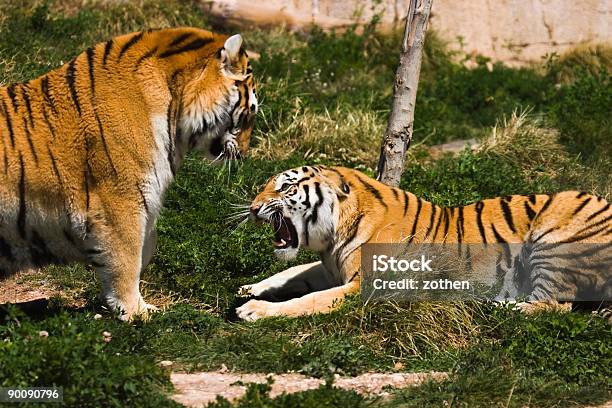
(384, 263)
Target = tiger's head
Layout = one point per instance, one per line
(303, 205)
(213, 83)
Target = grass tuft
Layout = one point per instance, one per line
(525, 140)
(592, 58)
(343, 136)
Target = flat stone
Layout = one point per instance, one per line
(199, 389)
(454, 147)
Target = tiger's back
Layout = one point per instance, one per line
(571, 216)
(554, 245)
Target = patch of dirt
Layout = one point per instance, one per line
(455, 147)
(199, 389)
(604, 405)
(27, 286)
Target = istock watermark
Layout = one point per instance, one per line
(500, 272)
(412, 284)
(383, 263)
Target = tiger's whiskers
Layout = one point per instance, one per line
(240, 224)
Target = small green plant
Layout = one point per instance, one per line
(581, 112)
(257, 395)
(72, 352)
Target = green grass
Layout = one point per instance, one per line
(325, 99)
(550, 359)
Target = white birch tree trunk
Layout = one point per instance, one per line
(398, 135)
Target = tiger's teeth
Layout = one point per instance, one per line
(280, 244)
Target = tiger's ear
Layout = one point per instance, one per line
(230, 53)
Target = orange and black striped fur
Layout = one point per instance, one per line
(334, 211)
(87, 150)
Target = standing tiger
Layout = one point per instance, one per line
(334, 211)
(88, 150)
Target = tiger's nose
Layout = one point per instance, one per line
(254, 209)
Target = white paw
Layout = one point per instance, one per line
(525, 307)
(254, 310)
(245, 291)
(147, 308)
(255, 289)
(143, 310)
(511, 303)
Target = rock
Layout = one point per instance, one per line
(199, 389)
(512, 31)
(454, 147)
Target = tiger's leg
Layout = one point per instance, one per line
(604, 313)
(298, 280)
(547, 286)
(316, 302)
(118, 261)
(505, 270)
(549, 278)
(536, 306)
(148, 249)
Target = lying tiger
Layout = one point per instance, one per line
(88, 149)
(335, 210)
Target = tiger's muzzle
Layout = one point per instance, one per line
(285, 233)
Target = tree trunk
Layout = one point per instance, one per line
(399, 127)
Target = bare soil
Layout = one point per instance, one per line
(455, 147)
(199, 389)
(27, 286)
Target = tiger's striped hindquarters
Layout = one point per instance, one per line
(334, 211)
(88, 150)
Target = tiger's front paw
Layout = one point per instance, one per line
(245, 291)
(255, 309)
(525, 307)
(145, 310)
(142, 310)
(255, 289)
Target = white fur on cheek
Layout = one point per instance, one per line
(212, 122)
(321, 232)
(196, 117)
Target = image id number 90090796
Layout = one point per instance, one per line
(31, 394)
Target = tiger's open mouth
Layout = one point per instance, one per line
(285, 234)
